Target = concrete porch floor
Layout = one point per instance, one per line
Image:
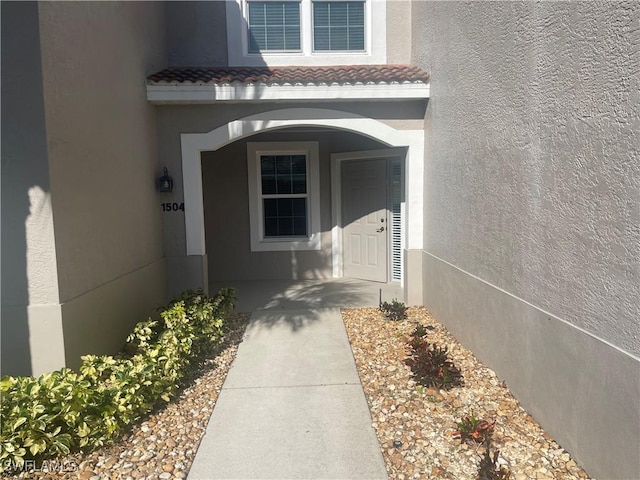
(309, 294)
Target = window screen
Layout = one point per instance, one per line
(274, 26)
(338, 26)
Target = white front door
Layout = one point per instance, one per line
(365, 219)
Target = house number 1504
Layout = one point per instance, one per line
(172, 207)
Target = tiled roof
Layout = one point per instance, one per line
(344, 75)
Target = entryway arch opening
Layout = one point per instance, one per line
(410, 142)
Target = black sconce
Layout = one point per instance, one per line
(165, 182)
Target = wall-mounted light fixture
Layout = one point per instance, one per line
(165, 182)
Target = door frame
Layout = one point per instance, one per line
(336, 206)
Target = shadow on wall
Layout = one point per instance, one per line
(15, 356)
(24, 167)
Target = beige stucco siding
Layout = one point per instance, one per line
(100, 207)
(197, 33)
(399, 31)
(101, 137)
(533, 144)
(99, 321)
(532, 207)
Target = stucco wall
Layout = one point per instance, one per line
(197, 33)
(28, 245)
(532, 173)
(101, 137)
(398, 31)
(102, 153)
(531, 187)
(226, 201)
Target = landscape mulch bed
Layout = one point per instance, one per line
(422, 421)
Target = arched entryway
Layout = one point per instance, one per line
(286, 121)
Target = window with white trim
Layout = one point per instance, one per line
(273, 26)
(284, 195)
(338, 26)
(306, 32)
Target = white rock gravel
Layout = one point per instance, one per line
(424, 419)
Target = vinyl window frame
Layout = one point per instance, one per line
(259, 242)
(366, 33)
(284, 25)
(375, 51)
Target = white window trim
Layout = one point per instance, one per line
(367, 25)
(258, 242)
(238, 47)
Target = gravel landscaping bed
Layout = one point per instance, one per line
(424, 419)
(164, 444)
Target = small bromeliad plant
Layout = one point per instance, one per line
(430, 363)
(64, 411)
(473, 428)
(395, 310)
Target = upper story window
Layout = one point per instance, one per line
(274, 26)
(306, 32)
(338, 26)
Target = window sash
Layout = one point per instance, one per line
(338, 26)
(273, 26)
(284, 195)
(285, 217)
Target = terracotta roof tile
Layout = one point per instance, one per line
(351, 74)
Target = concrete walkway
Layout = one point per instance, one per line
(292, 406)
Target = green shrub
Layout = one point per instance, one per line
(394, 311)
(64, 410)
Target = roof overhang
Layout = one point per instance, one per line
(181, 93)
(185, 85)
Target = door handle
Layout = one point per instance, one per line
(381, 229)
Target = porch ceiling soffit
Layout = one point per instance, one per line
(266, 84)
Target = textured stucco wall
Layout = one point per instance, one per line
(532, 207)
(99, 321)
(532, 173)
(197, 33)
(398, 31)
(101, 137)
(85, 213)
(226, 201)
